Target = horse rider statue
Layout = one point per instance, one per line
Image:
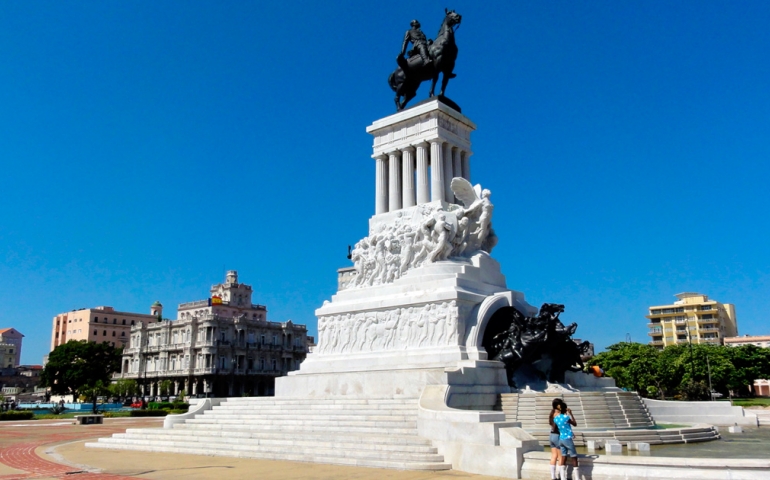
(419, 42)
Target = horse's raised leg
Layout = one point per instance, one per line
(399, 107)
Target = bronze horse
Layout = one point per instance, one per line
(411, 72)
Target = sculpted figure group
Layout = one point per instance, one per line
(531, 339)
(440, 234)
(397, 329)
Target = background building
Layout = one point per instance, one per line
(692, 318)
(221, 346)
(757, 340)
(100, 324)
(10, 347)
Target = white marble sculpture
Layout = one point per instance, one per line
(429, 325)
(433, 234)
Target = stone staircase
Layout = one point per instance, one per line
(592, 410)
(600, 416)
(763, 416)
(371, 433)
(653, 437)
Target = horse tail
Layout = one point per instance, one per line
(392, 81)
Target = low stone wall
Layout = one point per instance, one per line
(599, 467)
(712, 413)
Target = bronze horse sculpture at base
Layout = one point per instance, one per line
(411, 72)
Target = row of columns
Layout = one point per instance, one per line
(400, 183)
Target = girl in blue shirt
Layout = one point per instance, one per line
(565, 421)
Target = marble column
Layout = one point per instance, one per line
(436, 171)
(457, 167)
(423, 185)
(394, 181)
(407, 177)
(449, 196)
(466, 163)
(381, 185)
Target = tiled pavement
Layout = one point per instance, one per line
(26, 447)
(19, 442)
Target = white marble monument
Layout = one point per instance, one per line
(424, 282)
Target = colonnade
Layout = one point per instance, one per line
(402, 175)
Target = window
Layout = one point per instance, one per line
(124, 321)
(114, 321)
(104, 334)
(96, 333)
(262, 363)
(705, 307)
(114, 333)
(122, 334)
(262, 339)
(707, 317)
(96, 319)
(132, 323)
(273, 364)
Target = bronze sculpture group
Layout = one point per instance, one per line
(541, 344)
(426, 60)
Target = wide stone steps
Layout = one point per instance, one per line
(374, 462)
(375, 433)
(389, 443)
(592, 410)
(653, 437)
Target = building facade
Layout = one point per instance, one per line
(756, 340)
(221, 346)
(10, 347)
(100, 324)
(692, 318)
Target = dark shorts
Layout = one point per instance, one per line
(567, 447)
(554, 440)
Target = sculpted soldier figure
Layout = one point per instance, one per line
(419, 42)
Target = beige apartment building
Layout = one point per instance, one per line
(692, 318)
(100, 324)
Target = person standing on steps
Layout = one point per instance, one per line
(565, 421)
(553, 439)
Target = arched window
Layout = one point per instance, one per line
(122, 334)
(132, 323)
(104, 334)
(124, 321)
(96, 333)
(114, 321)
(96, 319)
(114, 333)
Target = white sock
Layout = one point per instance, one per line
(575, 473)
(563, 472)
(553, 472)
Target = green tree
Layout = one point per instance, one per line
(634, 366)
(80, 367)
(123, 388)
(750, 362)
(165, 387)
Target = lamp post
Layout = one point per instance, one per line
(692, 358)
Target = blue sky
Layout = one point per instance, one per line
(148, 146)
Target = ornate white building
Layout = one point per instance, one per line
(221, 346)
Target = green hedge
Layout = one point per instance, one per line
(149, 413)
(16, 415)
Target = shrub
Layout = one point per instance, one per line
(177, 411)
(17, 415)
(160, 406)
(149, 413)
(179, 405)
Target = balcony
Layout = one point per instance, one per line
(656, 342)
(653, 324)
(655, 332)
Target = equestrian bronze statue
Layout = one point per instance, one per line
(426, 60)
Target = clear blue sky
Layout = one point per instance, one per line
(147, 146)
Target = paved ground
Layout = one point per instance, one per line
(54, 449)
